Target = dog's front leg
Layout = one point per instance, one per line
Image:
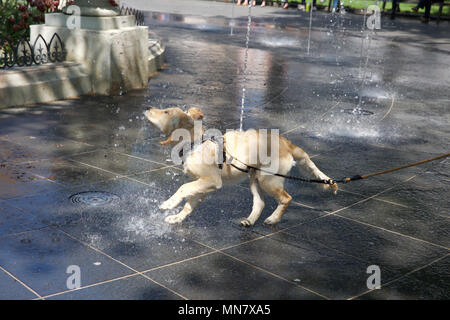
(190, 205)
(167, 141)
(200, 186)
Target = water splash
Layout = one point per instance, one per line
(145, 219)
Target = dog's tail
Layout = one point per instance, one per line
(305, 163)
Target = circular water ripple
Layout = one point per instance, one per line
(94, 198)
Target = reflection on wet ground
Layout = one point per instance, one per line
(324, 244)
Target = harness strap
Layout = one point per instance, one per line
(220, 165)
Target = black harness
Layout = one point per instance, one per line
(193, 144)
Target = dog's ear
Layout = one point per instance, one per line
(195, 113)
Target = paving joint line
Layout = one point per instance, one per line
(128, 276)
(320, 217)
(328, 247)
(400, 277)
(326, 214)
(139, 158)
(369, 197)
(20, 281)
(120, 262)
(378, 199)
(393, 232)
(261, 269)
(180, 261)
(87, 286)
(49, 159)
(15, 234)
(118, 175)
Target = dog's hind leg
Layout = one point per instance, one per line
(201, 186)
(274, 186)
(258, 202)
(189, 206)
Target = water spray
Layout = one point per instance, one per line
(247, 40)
(310, 24)
(232, 18)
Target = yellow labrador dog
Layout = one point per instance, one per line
(243, 148)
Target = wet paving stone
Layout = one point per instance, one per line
(310, 264)
(14, 153)
(414, 222)
(67, 173)
(430, 283)
(218, 226)
(56, 208)
(14, 220)
(116, 163)
(335, 264)
(388, 250)
(18, 180)
(131, 230)
(358, 158)
(148, 149)
(11, 289)
(49, 147)
(40, 259)
(317, 198)
(132, 288)
(424, 192)
(217, 276)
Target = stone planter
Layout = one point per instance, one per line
(112, 49)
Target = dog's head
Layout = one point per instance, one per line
(195, 113)
(168, 120)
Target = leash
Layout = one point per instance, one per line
(331, 181)
(369, 175)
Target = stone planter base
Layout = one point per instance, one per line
(112, 49)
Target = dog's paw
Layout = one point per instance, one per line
(332, 187)
(174, 219)
(246, 223)
(167, 205)
(271, 221)
(163, 143)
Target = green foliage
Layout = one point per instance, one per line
(361, 4)
(16, 16)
